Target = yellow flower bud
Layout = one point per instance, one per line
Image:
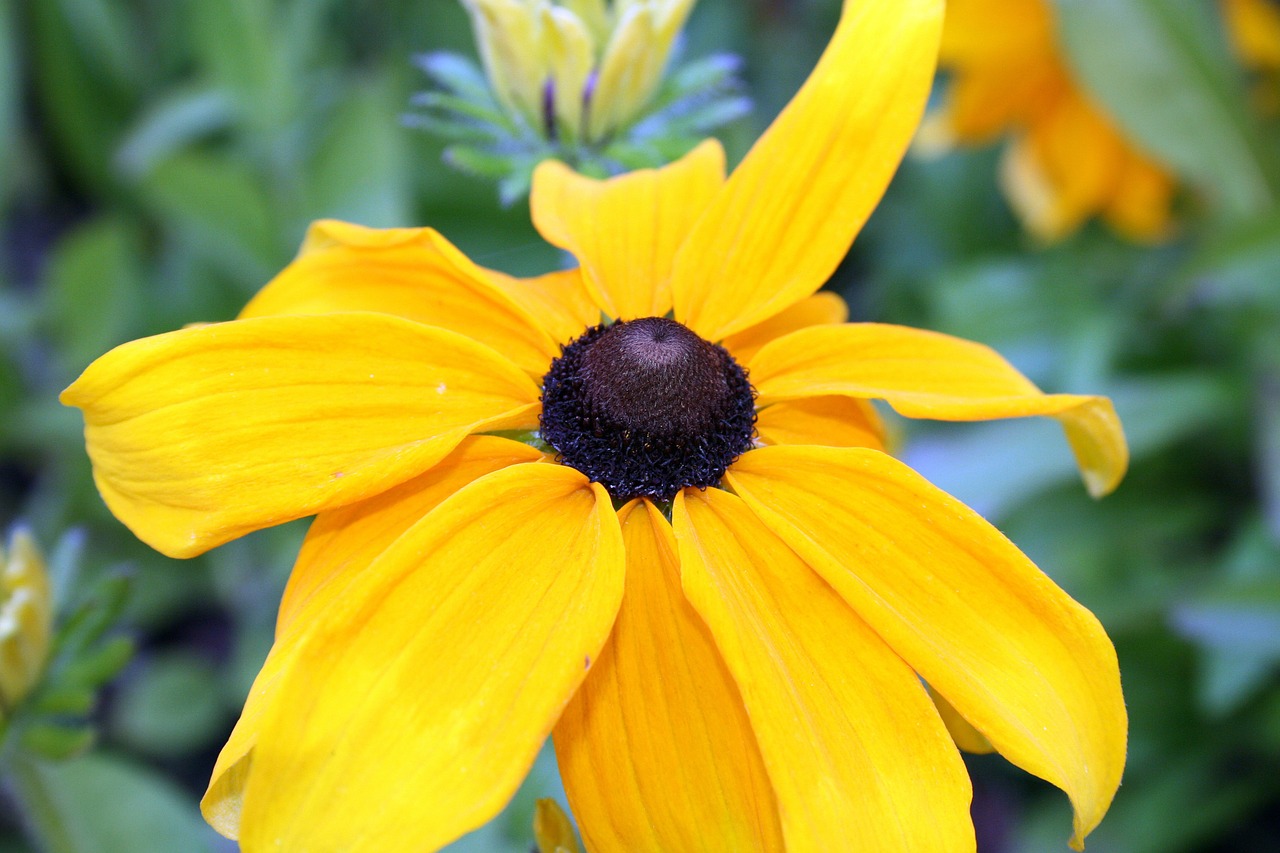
(552, 829)
(576, 69)
(25, 619)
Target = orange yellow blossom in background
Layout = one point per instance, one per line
(1067, 161)
(741, 667)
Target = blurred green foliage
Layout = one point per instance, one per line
(160, 160)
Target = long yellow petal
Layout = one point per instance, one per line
(858, 756)
(828, 421)
(413, 273)
(558, 300)
(625, 231)
(202, 435)
(789, 212)
(340, 545)
(655, 749)
(929, 375)
(820, 309)
(414, 710)
(1031, 669)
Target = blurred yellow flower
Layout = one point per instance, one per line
(720, 599)
(26, 618)
(1066, 160)
(1254, 27)
(576, 68)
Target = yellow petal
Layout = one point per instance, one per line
(625, 231)
(339, 547)
(559, 301)
(820, 309)
(856, 751)
(202, 435)
(829, 421)
(1141, 203)
(1027, 666)
(351, 537)
(655, 749)
(965, 735)
(413, 273)
(786, 217)
(929, 375)
(414, 710)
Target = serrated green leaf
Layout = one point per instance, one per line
(1165, 73)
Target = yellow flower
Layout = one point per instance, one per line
(579, 68)
(1254, 28)
(26, 618)
(1066, 161)
(744, 673)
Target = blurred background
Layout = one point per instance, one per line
(160, 160)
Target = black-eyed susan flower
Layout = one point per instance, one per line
(746, 672)
(1066, 161)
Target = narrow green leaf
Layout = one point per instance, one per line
(1165, 73)
(99, 804)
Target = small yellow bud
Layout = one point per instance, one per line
(552, 829)
(576, 70)
(26, 618)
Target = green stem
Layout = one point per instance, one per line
(38, 806)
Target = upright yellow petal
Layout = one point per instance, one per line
(558, 300)
(1031, 669)
(929, 375)
(858, 756)
(413, 273)
(413, 711)
(820, 309)
(789, 212)
(202, 435)
(625, 231)
(340, 546)
(655, 749)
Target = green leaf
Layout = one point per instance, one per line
(1236, 267)
(99, 804)
(94, 292)
(1238, 617)
(1163, 70)
(57, 742)
(170, 124)
(221, 207)
(358, 171)
(170, 706)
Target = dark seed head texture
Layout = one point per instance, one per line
(646, 407)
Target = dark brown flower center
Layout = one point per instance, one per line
(646, 407)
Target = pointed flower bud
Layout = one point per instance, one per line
(578, 69)
(589, 82)
(25, 619)
(552, 829)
